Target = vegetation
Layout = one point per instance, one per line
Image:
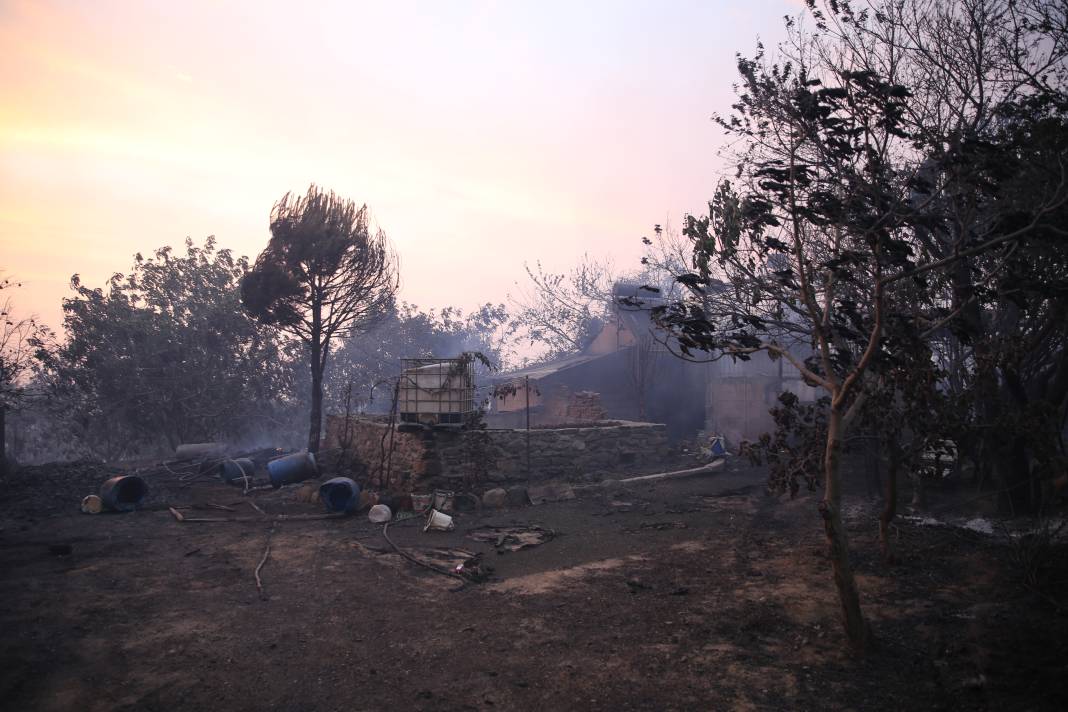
(324, 274)
(19, 338)
(165, 355)
(371, 361)
(901, 193)
(560, 313)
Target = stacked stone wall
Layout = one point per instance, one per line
(585, 407)
(443, 457)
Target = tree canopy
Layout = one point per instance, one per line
(899, 200)
(165, 355)
(324, 273)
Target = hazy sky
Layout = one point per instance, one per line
(481, 134)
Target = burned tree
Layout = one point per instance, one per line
(987, 82)
(325, 273)
(826, 240)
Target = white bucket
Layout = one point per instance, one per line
(380, 514)
(440, 521)
(443, 500)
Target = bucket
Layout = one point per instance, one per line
(123, 493)
(340, 494)
(230, 470)
(443, 500)
(422, 502)
(380, 514)
(440, 521)
(297, 467)
(92, 504)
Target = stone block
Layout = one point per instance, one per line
(496, 498)
(517, 496)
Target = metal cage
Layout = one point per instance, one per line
(436, 391)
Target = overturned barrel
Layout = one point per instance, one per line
(340, 494)
(297, 467)
(230, 470)
(123, 493)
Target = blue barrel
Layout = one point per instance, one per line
(230, 470)
(123, 493)
(340, 494)
(297, 467)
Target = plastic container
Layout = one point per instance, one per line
(297, 467)
(440, 521)
(230, 470)
(443, 500)
(340, 494)
(380, 514)
(123, 493)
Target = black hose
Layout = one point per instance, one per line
(425, 565)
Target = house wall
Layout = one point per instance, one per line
(556, 405)
(614, 336)
(674, 394)
(442, 458)
(740, 394)
(508, 401)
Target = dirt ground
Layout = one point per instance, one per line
(693, 594)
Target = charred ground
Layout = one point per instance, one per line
(701, 593)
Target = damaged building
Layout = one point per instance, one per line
(627, 372)
(619, 406)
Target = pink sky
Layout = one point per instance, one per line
(481, 134)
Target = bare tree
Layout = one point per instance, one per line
(18, 344)
(563, 312)
(325, 273)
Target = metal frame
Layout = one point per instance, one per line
(439, 390)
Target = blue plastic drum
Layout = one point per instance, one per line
(297, 467)
(340, 494)
(230, 470)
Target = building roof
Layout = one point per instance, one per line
(547, 369)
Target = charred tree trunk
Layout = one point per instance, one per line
(830, 507)
(889, 505)
(3, 439)
(998, 450)
(315, 426)
(919, 496)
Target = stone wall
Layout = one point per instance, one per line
(585, 407)
(556, 407)
(426, 458)
(369, 440)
